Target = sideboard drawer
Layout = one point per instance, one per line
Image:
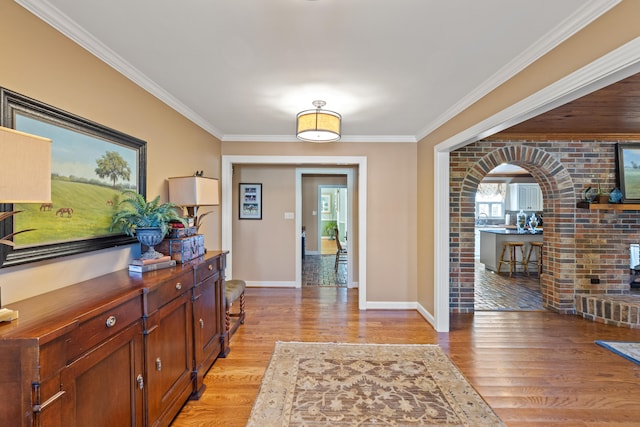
(208, 268)
(167, 291)
(102, 326)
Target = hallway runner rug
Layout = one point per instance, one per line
(329, 384)
(628, 350)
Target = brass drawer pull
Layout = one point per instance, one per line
(111, 321)
(210, 267)
(201, 323)
(158, 364)
(178, 286)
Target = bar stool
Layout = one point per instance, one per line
(537, 246)
(510, 249)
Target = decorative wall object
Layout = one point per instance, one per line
(628, 162)
(250, 198)
(326, 203)
(90, 166)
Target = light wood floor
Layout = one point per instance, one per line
(328, 247)
(533, 368)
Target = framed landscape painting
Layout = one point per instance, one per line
(90, 166)
(628, 159)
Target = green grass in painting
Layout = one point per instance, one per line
(632, 183)
(91, 214)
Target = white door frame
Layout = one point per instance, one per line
(226, 178)
(616, 65)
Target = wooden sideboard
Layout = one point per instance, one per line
(117, 350)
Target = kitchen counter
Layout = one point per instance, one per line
(491, 241)
(509, 231)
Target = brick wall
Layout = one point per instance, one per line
(578, 243)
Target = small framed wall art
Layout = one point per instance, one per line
(250, 198)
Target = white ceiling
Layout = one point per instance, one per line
(394, 69)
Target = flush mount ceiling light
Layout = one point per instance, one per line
(318, 125)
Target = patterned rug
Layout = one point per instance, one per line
(628, 350)
(327, 384)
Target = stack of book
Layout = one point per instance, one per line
(143, 265)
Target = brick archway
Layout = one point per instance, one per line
(468, 169)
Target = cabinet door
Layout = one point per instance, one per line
(105, 386)
(208, 326)
(529, 197)
(169, 360)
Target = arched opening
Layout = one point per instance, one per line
(507, 193)
(557, 286)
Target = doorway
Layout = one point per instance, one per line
(327, 204)
(323, 261)
(616, 65)
(504, 192)
(358, 173)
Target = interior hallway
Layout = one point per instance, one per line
(319, 270)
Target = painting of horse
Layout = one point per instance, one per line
(63, 211)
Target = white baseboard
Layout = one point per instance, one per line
(282, 285)
(371, 305)
(391, 305)
(427, 316)
(406, 305)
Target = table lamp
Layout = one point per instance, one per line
(192, 192)
(25, 177)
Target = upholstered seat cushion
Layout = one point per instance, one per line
(234, 288)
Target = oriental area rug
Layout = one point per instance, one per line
(328, 384)
(628, 350)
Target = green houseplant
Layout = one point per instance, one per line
(147, 221)
(329, 228)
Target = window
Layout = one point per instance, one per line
(490, 200)
(490, 209)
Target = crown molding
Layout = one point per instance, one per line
(610, 68)
(61, 22)
(568, 27)
(350, 138)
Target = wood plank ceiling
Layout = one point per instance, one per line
(611, 113)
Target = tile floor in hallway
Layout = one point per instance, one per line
(495, 291)
(319, 270)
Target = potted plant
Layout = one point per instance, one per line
(328, 229)
(147, 221)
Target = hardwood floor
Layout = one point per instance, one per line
(534, 368)
(328, 247)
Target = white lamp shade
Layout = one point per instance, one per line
(25, 172)
(318, 126)
(194, 191)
